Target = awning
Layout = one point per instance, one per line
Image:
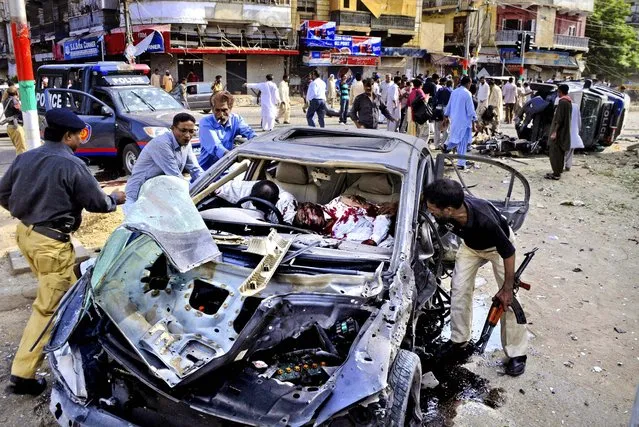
(233, 51)
(445, 60)
(411, 52)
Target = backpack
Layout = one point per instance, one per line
(422, 111)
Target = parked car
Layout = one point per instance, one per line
(199, 96)
(201, 313)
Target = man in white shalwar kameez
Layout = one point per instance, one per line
(460, 111)
(391, 100)
(270, 100)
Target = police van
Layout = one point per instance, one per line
(122, 110)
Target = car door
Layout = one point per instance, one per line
(504, 186)
(99, 137)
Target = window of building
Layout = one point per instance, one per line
(347, 4)
(529, 25)
(510, 24)
(572, 30)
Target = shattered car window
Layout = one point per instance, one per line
(113, 247)
(165, 211)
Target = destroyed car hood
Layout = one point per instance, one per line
(156, 307)
(165, 212)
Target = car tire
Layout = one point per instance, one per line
(405, 382)
(207, 111)
(130, 154)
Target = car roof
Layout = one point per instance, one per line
(313, 145)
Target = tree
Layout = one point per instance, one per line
(614, 47)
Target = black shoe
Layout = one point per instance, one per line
(277, 121)
(30, 386)
(444, 149)
(516, 366)
(287, 123)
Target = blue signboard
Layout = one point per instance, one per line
(157, 44)
(81, 48)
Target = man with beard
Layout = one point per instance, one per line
(486, 238)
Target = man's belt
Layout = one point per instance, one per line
(51, 233)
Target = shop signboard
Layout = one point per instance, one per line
(81, 48)
(318, 34)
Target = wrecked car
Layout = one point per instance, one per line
(200, 311)
(603, 114)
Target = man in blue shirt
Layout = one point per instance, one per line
(168, 154)
(218, 131)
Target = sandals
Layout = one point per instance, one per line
(551, 176)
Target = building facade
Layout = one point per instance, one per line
(242, 40)
(556, 29)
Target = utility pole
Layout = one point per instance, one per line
(128, 32)
(26, 82)
(468, 32)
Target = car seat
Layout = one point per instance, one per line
(376, 187)
(295, 179)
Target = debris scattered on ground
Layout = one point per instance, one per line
(577, 270)
(553, 237)
(573, 337)
(429, 380)
(569, 364)
(552, 390)
(597, 369)
(619, 330)
(572, 203)
(522, 391)
(619, 364)
(496, 398)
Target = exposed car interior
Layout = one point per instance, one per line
(307, 183)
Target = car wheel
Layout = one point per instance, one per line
(207, 111)
(405, 380)
(130, 154)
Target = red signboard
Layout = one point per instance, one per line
(361, 61)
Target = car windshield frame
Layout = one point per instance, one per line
(141, 99)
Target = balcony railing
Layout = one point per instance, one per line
(385, 22)
(49, 29)
(107, 19)
(506, 37)
(357, 19)
(454, 38)
(429, 4)
(571, 42)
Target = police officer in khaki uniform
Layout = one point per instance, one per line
(46, 189)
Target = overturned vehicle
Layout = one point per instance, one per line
(201, 310)
(603, 114)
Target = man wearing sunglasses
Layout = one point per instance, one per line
(168, 154)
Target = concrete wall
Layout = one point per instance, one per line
(446, 19)
(214, 65)
(432, 36)
(545, 32)
(258, 66)
(164, 62)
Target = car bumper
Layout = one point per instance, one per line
(69, 413)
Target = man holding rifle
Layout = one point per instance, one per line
(486, 238)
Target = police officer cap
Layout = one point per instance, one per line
(64, 119)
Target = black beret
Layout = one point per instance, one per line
(65, 119)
